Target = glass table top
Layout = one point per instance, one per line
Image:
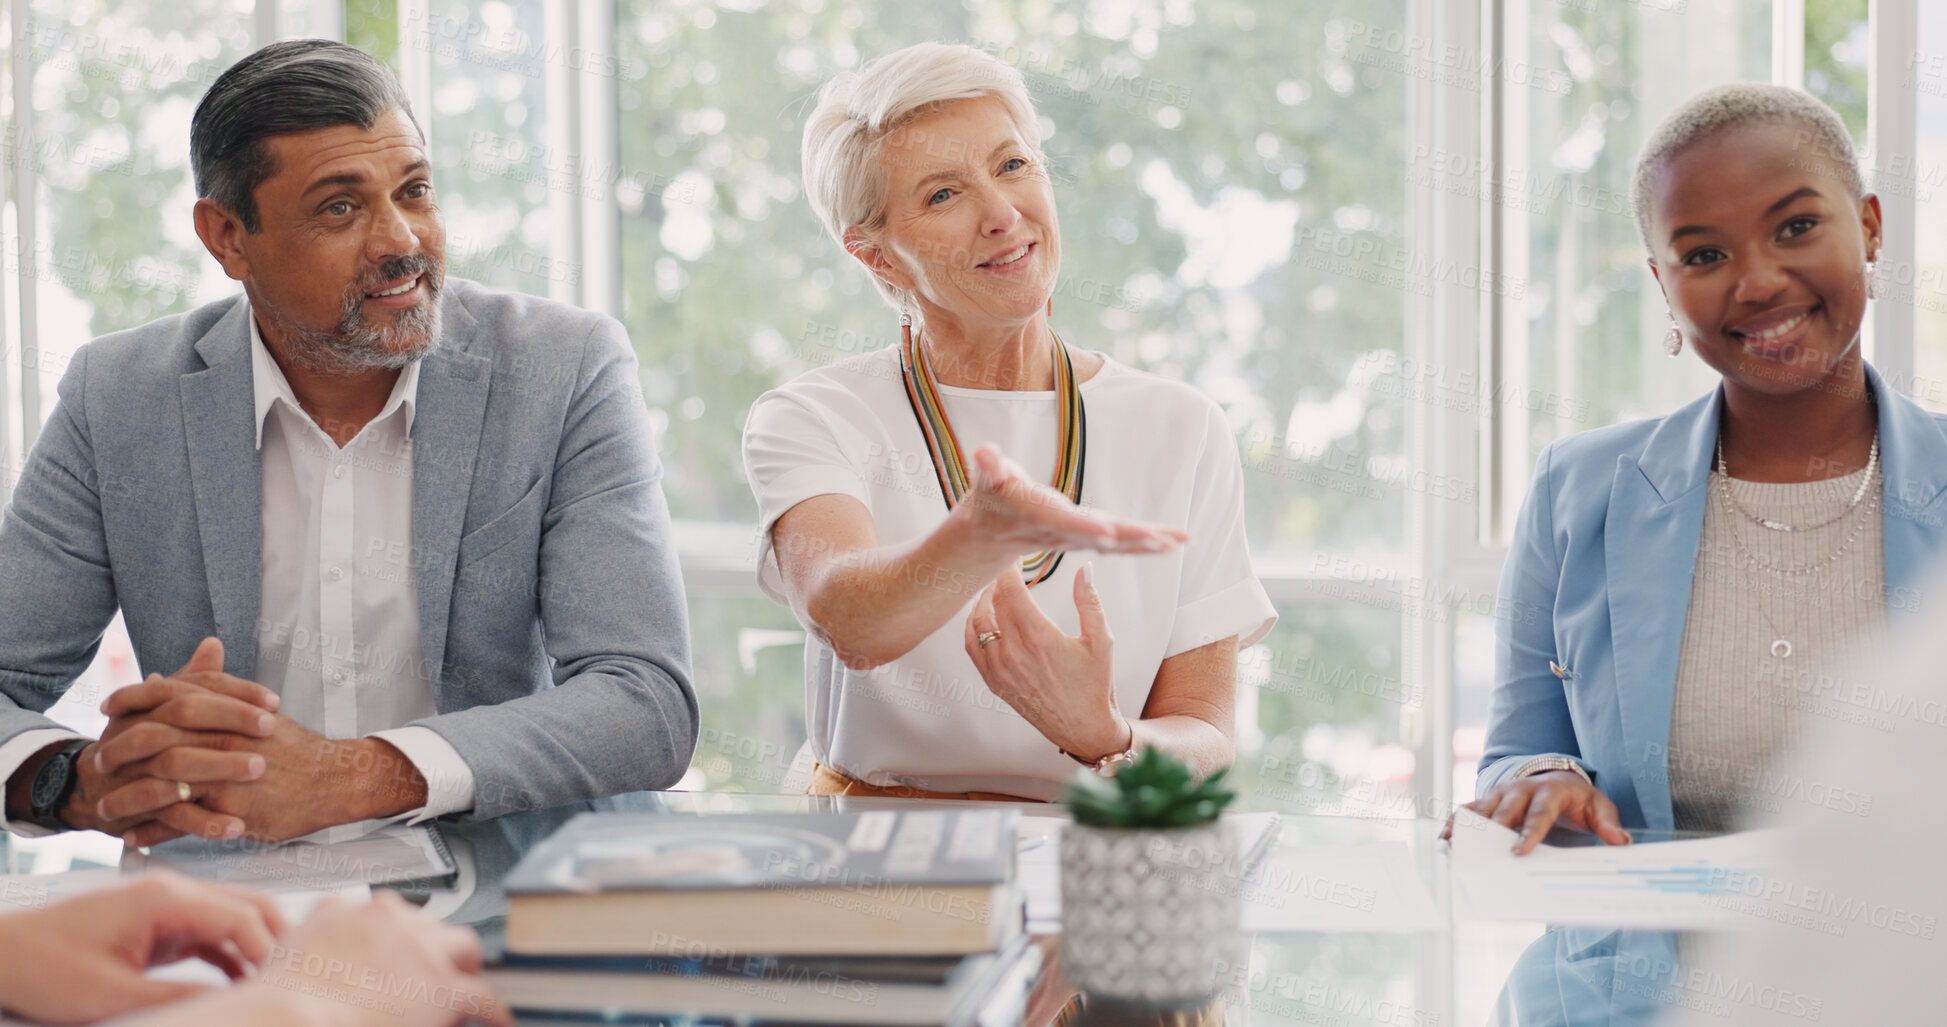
(1448, 972)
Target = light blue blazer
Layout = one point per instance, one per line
(551, 612)
(1598, 582)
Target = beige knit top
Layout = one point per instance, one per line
(1819, 591)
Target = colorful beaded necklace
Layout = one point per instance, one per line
(950, 465)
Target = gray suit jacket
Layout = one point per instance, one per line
(550, 606)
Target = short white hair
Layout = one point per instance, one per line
(857, 110)
(1734, 105)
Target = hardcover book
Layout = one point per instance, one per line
(914, 882)
(918, 992)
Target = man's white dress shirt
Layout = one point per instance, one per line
(338, 625)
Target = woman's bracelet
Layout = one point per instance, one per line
(1106, 764)
(1544, 764)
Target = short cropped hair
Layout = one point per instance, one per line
(292, 86)
(857, 110)
(1732, 106)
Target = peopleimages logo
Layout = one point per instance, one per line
(1785, 894)
(1410, 54)
(506, 49)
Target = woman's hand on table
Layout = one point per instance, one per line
(1061, 684)
(84, 958)
(1532, 805)
(1004, 506)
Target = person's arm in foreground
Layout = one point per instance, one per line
(83, 958)
(377, 965)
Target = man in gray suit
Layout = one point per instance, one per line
(404, 536)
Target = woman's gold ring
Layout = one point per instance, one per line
(182, 790)
(985, 637)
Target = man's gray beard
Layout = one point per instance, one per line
(358, 345)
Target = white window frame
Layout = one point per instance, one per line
(1892, 105)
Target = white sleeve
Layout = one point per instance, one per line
(449, 781)
(792, 453)
(16, 752)
(1220, 595)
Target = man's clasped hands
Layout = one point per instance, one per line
(205, 753)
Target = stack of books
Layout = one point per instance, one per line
(907, 917)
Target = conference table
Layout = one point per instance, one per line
(1434, 973)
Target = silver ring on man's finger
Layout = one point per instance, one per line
(182, 790)
(985, 637)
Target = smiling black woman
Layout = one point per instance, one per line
(1707, 574)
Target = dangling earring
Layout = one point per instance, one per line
(1673, 339)
(1872, 279)
(906, 327)
(1051, 306)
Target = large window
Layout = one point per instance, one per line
(487, 118)
(1925, 180)
(1581, 347)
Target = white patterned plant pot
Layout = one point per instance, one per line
(1149, 917)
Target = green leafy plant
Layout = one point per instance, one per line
(1155, 791)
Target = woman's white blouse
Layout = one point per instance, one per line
(1158, 451)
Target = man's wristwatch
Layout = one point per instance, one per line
(52, 786)
(1105, 765)
(1544, 764)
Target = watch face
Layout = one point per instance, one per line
(51, 782)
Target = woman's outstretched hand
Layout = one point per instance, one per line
(1004, 506)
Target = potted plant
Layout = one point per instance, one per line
(1149, 884)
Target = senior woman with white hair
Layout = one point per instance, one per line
(1685, 590)
(974, 632)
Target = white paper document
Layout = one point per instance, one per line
(1697, 884)
(1371, 888)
